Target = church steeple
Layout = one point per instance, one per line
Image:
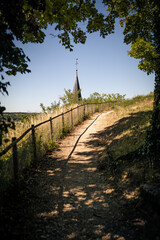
(76, 87)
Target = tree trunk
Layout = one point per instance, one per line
(155, 123)
(154, 133)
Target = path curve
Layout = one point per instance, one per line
(66, 197)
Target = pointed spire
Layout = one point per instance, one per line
(76, 87)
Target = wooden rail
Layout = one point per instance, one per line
(16, 140)
(32, 129)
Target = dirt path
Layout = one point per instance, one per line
(67, 198)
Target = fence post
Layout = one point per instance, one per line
(88, 110)
(71, 118)
(62, 123)
(78, 113)
(51, 127)
(84, 112)
(15, 159)
(34, 144)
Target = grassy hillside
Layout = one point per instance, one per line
(125, 139)
(127, 167)
(132, 121)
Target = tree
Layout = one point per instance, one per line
(104, 98)
(69, 97)
(50, 109)
(141, 22)
(26, 20)
(95, 98)
(44, 110)
(17, 21)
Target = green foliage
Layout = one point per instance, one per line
(5, 124)
(54, 106)
(141, 23)
(126, 136)
(137, 100)
(153, 134)
(103, 98)
(3, 86)
(49, 146)
(140, 49)
(69, 97)
(25, 118)
(50, 109)
(139, 19)
(26, 20)
(130, 129)
(43, 107)
(16, 20)
(95, 98)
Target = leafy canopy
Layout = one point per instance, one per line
(140, 21)
(26, 20)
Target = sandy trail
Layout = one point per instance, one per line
(67, 198)
(82, 206)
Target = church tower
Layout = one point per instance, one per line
(76, 87)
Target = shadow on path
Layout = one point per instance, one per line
(70, 199)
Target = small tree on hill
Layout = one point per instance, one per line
(69, 97)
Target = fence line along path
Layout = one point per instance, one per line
(36, 140)
(67, 197)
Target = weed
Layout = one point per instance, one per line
(50, 146)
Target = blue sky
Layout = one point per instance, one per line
(104, 67)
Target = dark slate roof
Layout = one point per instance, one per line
(76, 87)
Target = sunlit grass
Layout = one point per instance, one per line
(130, 133)
(45, 139)
(125, 139)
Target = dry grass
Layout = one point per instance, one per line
(22, 125)
(45, 142)
(125, 165)
(124, 158)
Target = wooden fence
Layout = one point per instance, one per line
(31, 144)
